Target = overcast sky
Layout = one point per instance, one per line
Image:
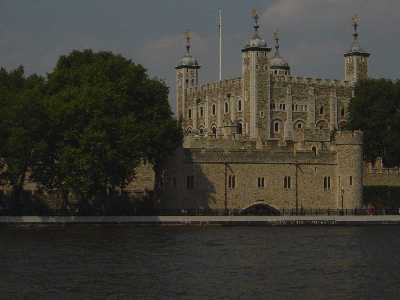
(314, 33)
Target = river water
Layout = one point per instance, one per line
(128, 262)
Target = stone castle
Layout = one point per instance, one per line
(267, 138)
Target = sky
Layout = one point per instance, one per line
(314, 33)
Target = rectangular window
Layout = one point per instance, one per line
(214, 109)
(240, 105)
(201, 111)
(260, 182)
(287, 182)
(351, 180)
(327, 183)
(232, 182)
(190, 182)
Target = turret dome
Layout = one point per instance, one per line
(188, 61)
(256, 41)
(278, 62)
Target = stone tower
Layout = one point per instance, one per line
(356, 60)
(256, 84)
(187, 76)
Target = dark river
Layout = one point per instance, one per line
(127, 262)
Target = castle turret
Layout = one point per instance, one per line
(255, 74)
(349, 149)
(187, 76)
(356, 60)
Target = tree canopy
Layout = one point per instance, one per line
(376, 110)
(85, 127)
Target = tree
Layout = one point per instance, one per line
(376, 110)
(106, 116)
(23, 126)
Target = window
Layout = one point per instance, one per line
(276, 127)
(226, 107)
(214, 131)
(287, 183)
(261, 114)
(321, 110)
(314, 150)
(240, 105)
(189, 113)
(299, 125)
(260, 182)
(214, 109)
(351, 180)
(201, 111)
(190, 182)
(232, 181)
(327, 183)
(342, 112)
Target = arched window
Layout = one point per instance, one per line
(226, 107)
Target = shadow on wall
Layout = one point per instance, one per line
(190, 184)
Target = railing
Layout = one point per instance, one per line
(222, 212)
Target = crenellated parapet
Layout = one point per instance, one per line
(215, 87)
(348, 137)
(311, 81)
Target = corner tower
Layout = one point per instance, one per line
(256, 84)
(356, 60)
(187, 76)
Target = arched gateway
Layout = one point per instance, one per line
(260, 208)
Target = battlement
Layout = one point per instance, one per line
(227, 84)
(348, 137)
(311, 81)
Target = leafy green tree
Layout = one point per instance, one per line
(23, 127)
(106, 116)
(376, 110)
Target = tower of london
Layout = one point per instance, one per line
(268, 136)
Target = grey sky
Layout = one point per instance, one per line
(314, 33)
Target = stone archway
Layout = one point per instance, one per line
(260, 208)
